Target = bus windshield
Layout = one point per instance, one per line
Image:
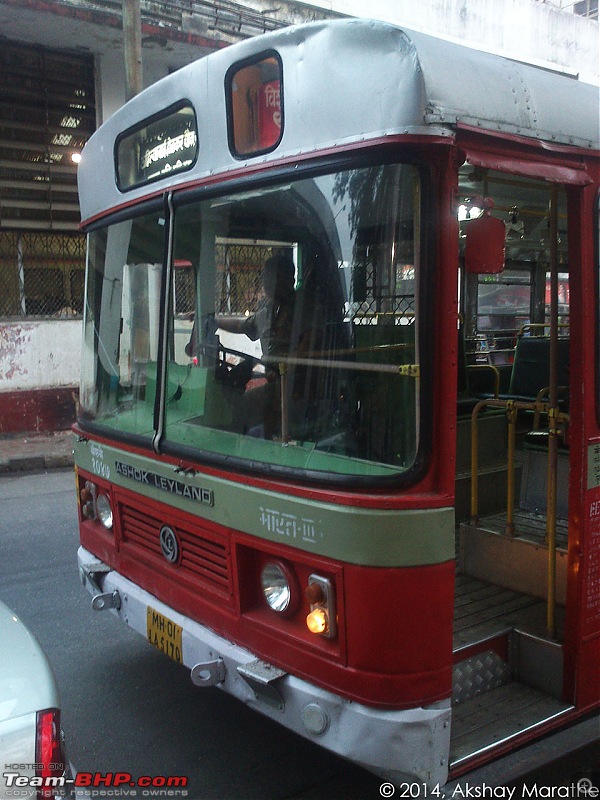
(290, 332)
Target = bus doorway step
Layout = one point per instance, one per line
(495, 717)
(507, 675)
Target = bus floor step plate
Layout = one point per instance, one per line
(498, 715)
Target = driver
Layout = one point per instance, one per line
(272, 321)
(272, 324)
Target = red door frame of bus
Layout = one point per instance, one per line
(580, 175)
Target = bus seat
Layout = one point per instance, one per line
(531, 367)
(316, 392)
(475, 381)
(386, 401)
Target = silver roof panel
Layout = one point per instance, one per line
(349, 81)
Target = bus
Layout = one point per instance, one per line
(338, 443)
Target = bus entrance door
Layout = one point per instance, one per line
(512, 552)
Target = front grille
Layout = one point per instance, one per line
(204, 554)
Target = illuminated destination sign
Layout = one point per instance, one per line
(164, 146)
(170, 154)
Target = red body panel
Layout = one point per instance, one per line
(386, 657)
(582, 629)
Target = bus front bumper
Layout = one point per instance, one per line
(410, 745)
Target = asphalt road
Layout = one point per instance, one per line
(128, 708)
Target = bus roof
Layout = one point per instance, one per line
(348, 81)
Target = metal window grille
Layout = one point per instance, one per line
(41, 274)
(239, 277)
(586, 8)
(184, 292)
(239, 285)
(385, 292)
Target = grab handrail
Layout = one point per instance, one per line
(555, 418)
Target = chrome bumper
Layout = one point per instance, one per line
(399, 746)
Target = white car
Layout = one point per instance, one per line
(32, 756)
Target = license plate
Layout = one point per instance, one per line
(164, 634)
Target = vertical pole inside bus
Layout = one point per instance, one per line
(552, 417)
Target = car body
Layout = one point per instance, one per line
(31, 741)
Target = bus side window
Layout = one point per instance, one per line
(121, 323)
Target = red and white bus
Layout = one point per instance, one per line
(338, 446)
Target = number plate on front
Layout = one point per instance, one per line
(164, 634)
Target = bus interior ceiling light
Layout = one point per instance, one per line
(468, 211)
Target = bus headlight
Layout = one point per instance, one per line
(104, 511)
(279, 587)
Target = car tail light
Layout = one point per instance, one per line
(48, 750)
